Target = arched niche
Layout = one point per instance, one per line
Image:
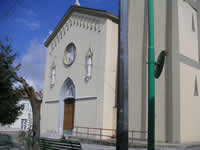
(67, 105)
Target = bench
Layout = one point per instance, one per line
(5, 141)
(59, 144)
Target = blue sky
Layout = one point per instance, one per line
(28, 23)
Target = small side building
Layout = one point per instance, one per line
(24, 121)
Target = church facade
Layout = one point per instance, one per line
(81, 67)
(79, 85)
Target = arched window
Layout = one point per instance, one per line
(69, 89)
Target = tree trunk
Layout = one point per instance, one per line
(36, 124)
(35, 104)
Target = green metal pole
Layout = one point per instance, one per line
(151, 79)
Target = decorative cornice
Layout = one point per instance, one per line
(86, 98)
(52, 101)
(86, 22)
(81, 10)
(76, 99)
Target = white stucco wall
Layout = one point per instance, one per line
(189, 104)
(85, 117)
(136, 33)
(109, 117)
(50, 118)
(188, 39)
(138, 68)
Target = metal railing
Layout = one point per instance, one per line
(100, 133)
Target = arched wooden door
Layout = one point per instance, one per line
(68, 115)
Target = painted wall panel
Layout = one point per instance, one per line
(50, 124)
(110, 75)
(138, 68)
(188, 38)
(86, 113)
(189, 104)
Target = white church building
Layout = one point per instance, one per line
(81, 69)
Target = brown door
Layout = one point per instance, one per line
(69, 114)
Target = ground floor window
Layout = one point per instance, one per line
(23, 124)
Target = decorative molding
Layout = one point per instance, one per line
(189, 61)
(55, 101)
(89, 22)
(100, 14)
(86, 22)
(51, 48)
(77, 99)
(86, 98)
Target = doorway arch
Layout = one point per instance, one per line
(67, 107)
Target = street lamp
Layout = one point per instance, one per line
(151, 79)
(122, 78)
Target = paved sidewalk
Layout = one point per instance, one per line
(101, 147)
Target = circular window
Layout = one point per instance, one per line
(70, 54)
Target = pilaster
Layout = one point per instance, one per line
(172, 74)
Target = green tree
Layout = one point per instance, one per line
(9, 95)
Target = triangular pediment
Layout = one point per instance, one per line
(74, 16)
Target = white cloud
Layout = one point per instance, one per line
(50, 31)
(33, 65)
(29, 12)
(31, 25)
(29, 19)
(97, 1)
